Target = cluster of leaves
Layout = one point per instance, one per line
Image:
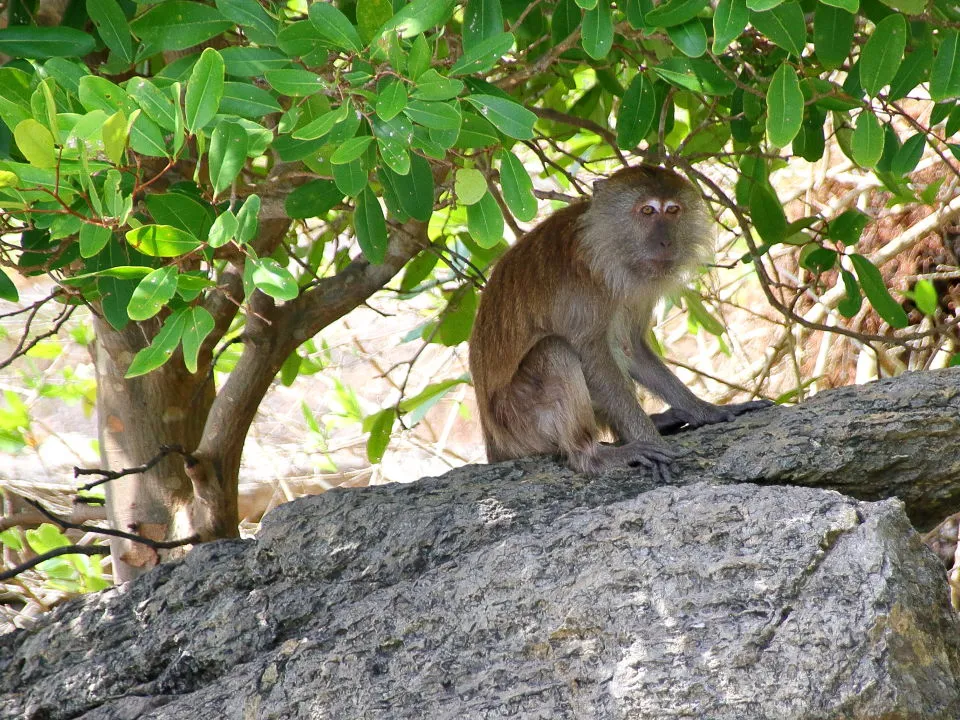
(136, 164)
(70, 573)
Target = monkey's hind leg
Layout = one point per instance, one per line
(546, 409)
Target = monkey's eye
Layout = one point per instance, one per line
(648, 210)
(673, 209)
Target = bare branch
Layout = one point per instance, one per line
(108, 475)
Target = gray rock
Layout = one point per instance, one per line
(518, 590)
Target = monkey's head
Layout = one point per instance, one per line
(649, 221)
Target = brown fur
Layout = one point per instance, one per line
(561, 325)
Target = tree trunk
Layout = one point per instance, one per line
(136, 417)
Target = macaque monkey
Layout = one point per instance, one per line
(560, 335)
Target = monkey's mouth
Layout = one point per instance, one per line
(656, 267)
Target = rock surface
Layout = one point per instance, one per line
(517, 590)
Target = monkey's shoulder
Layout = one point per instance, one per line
(552, 245)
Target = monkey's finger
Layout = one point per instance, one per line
(745, 407)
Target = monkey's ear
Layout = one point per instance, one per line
(598, 185)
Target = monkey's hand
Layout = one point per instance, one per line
(655, 456)
(676, 419)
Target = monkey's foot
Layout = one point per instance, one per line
(674, 420)
(652, 455)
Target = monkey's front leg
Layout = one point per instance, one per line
(614, 395)
(686, 409)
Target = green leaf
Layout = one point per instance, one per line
(847, 227)
(566, 19)
(766, 213)
(818, 259)
(381, 426)
(700, 314)
(180, 210)
(248, 220)
(247, 100)
(93, 238)
(867, 141)
(908, 156)
(876, 291)
(371, 15)
(784, 106)
(485, 221)
(8, 291)
(162, 240)
(476, 133)
(197, 324)
(484, 55)
(911, 7)
(638, 111)
(470, 186)
(689, 38)
(419, 15)
(154, 102)
(147, 139)
(248, 14)
(228, 153)
(433, 86)
(415, 189)
(881, 56)
(761, 5)
(271, 278)
(36, 143)
(294, 82)
(696, 74)
(587, 4)
(351, 150)
(312, 199)
(350, 178)
(457, 319)
(153, 293)
(784, 25)
(945, 75)
(370, 227)
(114, 135)
(391, 99)
(223, 230)
(832, 35)
(204, 90)
(334, 27)
(482, 20)
(729, 20)
(925, 296)
(596, 35)
(179, 24)
(45, 42)
(851, 6)
(674, 12)
(418, 60)
(517, 186)
(113, 28)
(160, 349)
(113, 288)
(15, 92)
(437, 115)
(852, 302)
(913, 70)
(252, 62)
(320, 126)
(509, 117)
(418, 405)
(393, 140)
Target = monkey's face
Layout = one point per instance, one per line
(652, 221)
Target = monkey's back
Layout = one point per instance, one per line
(519, 299)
